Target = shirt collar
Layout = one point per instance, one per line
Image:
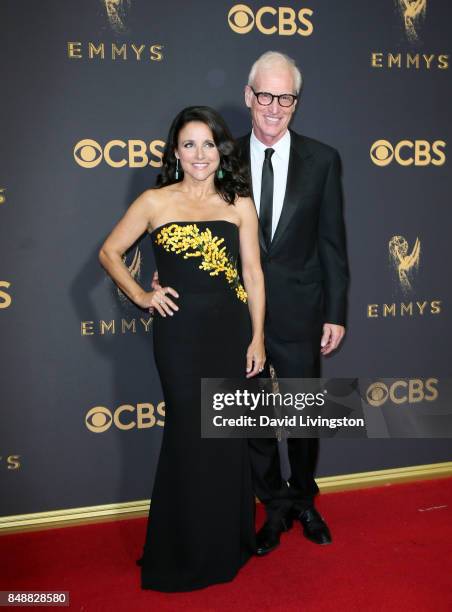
(281, 148)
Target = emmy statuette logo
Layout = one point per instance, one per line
(413, 13)
(134, 268)
(404, 262)
(116, 12)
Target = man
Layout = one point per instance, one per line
(297, 192)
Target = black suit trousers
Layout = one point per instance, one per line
(298, 359)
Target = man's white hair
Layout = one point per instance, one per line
(273, 59)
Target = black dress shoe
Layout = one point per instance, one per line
(267, 538)
(314, 527)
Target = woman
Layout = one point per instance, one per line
(201, 219)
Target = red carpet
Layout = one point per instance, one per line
(392, 550)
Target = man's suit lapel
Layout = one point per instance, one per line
(298, 179)
(247, 157)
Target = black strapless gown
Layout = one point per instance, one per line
(201, 522)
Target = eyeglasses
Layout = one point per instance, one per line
(265, 98)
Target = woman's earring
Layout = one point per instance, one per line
(220, 173)
(177, 169)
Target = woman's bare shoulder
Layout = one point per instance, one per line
(155, 197)
(154, 194)
(245, 207)
(244, 202)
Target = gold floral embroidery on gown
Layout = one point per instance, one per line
(188, 239)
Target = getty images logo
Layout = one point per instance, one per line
(284, 20)
(408, 153)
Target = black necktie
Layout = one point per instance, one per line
(266, 203)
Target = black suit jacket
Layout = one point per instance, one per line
(305, 267)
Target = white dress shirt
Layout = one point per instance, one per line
(280, 163)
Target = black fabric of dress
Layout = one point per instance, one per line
(200, 529)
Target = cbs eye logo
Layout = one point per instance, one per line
(284, 20)
(141, 416)
(241, 19)
(402, 391)
(88, 153)
(117, 153)
(408, 152)
(377, 394)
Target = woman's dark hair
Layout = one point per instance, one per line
(235, 181)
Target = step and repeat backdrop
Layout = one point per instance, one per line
(89, 89)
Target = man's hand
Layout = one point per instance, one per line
(331, 338)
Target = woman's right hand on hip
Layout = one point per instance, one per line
(160, 301)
